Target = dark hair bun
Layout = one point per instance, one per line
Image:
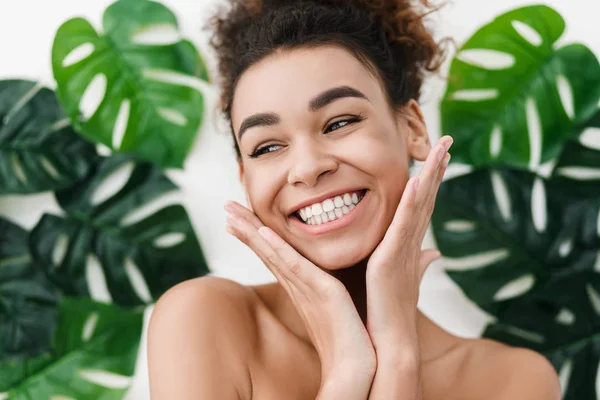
(402, 21)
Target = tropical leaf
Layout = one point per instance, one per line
(527, 251)
(14, 371)
(39, 151)
(120, 235)
(95, 343)
(28, 301)
(161, 116)
(510, 77)
(578, 166)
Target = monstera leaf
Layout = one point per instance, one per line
(527, 251)
(160, 115)
(509, 82)
(142, 252)
(38, 150)
(578, 167)
(28, 301)
(93, 357)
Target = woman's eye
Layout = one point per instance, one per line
(263, 150)
(342, 123)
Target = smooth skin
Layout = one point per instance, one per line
(341, 322)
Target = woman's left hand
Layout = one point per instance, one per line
(396, 267)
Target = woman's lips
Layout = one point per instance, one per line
(332, 225)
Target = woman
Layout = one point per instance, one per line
(322, 99)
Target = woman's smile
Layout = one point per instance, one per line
(332, 214)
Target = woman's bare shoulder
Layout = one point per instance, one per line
(505, 372)
(192, 295)
(205, 325)
(224, 303)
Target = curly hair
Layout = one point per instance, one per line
(388, 37)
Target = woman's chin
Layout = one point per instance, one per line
(337, 260)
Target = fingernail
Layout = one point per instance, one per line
(227, 205)
(448, 143)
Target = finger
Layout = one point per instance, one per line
(441, 171)
(411, 219)
(238, 209)
(413, 201)
(247, 234)
(303, 271)
(427, 209)
(429, 173)
(276, 252)
(400, 231)
(439, 179)
(427, 257)
(434, 173)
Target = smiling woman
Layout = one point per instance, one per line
(322, 97)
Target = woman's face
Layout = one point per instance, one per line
(312, 126)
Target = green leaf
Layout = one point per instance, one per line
(38, 150)
(92, 338)
(163, 116)
(578, 166)
(109, 232)
(494, 129)
(28, 301)
(536, 273)
(15, 371)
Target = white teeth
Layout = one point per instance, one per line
(328, 205)
(329, 209)
(347, 199)
(338, 202)
(317, 209)
(303, 215)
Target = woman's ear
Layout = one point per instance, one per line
(417, 139)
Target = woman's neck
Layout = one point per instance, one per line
(354, 279)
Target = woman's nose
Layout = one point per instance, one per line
(309, 162)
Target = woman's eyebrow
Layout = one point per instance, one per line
(320, 101)
(262, 119)
(333, 94)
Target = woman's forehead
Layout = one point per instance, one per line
(290, 79)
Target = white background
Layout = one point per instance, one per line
(27, 29)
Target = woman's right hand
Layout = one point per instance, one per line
(332, 321)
